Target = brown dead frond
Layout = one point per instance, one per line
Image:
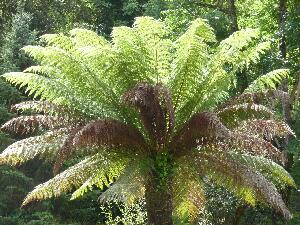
(156, 109)
(48, 108)
(110, 133)
(66, 151)
(267, 129)
(253, 145)
(24, 125)
(199, 130)
(231, 116)
(256, 98)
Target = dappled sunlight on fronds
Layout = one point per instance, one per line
(271, 170)
(231, 116)
(24, 125)
(267, 129)
(76, 175)
(240, 179)
(188, 189)
(66, 150)
(129, 187)
(268, 81)
(45, 146)
(71, 178)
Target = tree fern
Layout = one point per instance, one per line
(268, 81)
(140, 110)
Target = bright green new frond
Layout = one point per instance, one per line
(78, 75)
(129, 187)
(46, 88)
(271, 170)
(268, 81)
(202, 29)
(252, 55)
(58, 40)
(218, 72)
(66, 181)
(239, 49)
(132, 58)
(160, 48)
(83, 37)
(191, 57)
(42, 70)
(45, 146)
(149, 28)
(110, 169)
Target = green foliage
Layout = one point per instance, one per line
(268, 81)
(15, 186)
(134, 214)
(20, 34)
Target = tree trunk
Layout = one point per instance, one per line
(158, 204)
(283, 50)
(232, 16)
(239, 212)
(282, 22)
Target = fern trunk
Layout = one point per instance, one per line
(158, 204)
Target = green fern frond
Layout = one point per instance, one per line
(50, 109)
(132, 58)
(160, 48)
(245, 182)
(66, 181)
(129, 187)
(42, 70)
(268, 81)
(271, 170)
(188, 190)
(230, 50)
(83, 37)
(45, 146)
(58, 40)
(192, 55)
(236, 52)
(260, 97)
(252, 55)
(39, 86)
(111, 168)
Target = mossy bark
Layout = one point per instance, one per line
(158, 203)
